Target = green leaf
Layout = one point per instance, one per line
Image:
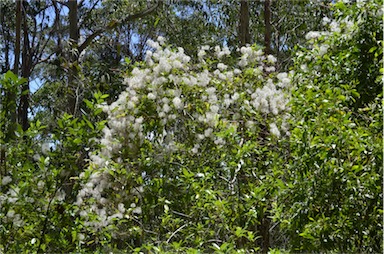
(156, 22)
(372, 49)
(90, 125)
(10, 76)
(74, 235)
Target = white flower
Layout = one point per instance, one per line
(312, 35)
(139, 120)
(83, 213)
(235, 96)
(222, 66)
(121, 207)
(282, 75)
(177, 102)
(137, 210)
(304, 67)
(36, 157)
(271, 59)
(335, 27)
(246, 50)
(323, 49)
(195, 148)
(236, 71)
(214, 108)
(199, 175)
(10, 213)
(6, 180)
(186, 59)
(130, 104)
(274, 130)
(40, 185)
(45, 148)
(177, 64)
(166, 108)
(201, 53)
(80, 236)
(211, 90)
(326, 20)
(161, 40)
(60, 195)
(208, 132)
(151, 96)
(153, 44)
(243, 62)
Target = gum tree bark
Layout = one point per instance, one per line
(244, 35)
(268, 30)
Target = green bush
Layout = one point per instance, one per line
(333, 199)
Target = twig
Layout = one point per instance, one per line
(182, 214)
(177, 230)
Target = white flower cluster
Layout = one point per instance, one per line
(172, 101)
(9, 199)
(6, 180)
(249, 55)
(344, 27)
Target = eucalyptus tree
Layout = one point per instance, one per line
(27, 29)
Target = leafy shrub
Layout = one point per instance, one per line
(334, 177)
(38, 184)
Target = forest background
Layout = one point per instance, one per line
(191, 126)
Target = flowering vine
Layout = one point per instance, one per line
(172, 106)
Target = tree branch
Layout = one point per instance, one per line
(177, 230)
(88, 14)
(113, 24)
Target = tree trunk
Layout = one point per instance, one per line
(18, 37)
(11, 100)
(25, 73)
(264, 230)
(244, 36)
(267, 23)
(73, 73)
(265, 220)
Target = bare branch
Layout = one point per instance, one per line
(113, 24)
(48, 58)
(88, 14)
(177, 230)
(50, 34)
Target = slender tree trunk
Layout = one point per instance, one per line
(268, 30)
(25, 73)
(9, 102)
(73, 72)
(11, 94)
(18, 37)
(7, 40)
(244, 36)
(265, 220)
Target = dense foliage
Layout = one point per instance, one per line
(209, 151)
(334, 177)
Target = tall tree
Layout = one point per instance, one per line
(26, 70)
(73, 57)
(267, 24)
(84, 30)
(244, 35)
